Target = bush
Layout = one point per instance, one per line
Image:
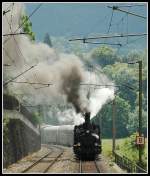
(131, 151)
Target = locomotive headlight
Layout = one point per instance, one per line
(78, 144)
(87, 131)
(96, 144)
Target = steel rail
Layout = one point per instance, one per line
(80, 166)
(97, 168)
(54, 161)
(37, 162)
(95, 164)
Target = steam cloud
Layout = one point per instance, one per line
(65, 71)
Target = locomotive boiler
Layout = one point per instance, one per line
(87, 142)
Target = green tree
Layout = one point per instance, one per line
(105, 55)
(122, 74)
(122, 116)
(27, 26)
(133, 122)
(47, 40)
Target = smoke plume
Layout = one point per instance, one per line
(65, 72)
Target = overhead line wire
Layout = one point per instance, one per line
(9, 56)
(24, 21)
(18, 75)
(24, 82)
(110, 21)
(30, 15)
(121, 10)
(17, 46)
(15, 33)
(11, 14)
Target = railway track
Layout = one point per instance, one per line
(44, 163)
(88, 167)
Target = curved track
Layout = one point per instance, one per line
(44, 163)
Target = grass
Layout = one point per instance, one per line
(107, 146)
(122, 149)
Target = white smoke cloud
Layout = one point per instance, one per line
(61, 70)
(99, 98)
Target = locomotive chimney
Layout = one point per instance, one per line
(87, 117)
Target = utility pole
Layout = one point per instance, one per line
(140, 108)
(113, 125)
(39, 110)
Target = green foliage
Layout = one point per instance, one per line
(133, 121)
(123, 74)
(129, 149)
(107, 147)
(105, 55)
(122, 115)
(27, 26)
(5, 130)
(36, 118)
(125, 147)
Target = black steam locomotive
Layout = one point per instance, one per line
(87, 142)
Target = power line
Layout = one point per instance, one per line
(25, 21)
(110, 22)
(99, 21)
(42, 87)
(16, 41)
(110, 36)
(30, 16)
(131, 13)
(11, 15)
(118, 23)
(9, 56)
(7, 10)
(4, 12)
(9, 7)
(131, 5)
(127, 28)
(18, 47)
(132, 41)
(18, 75)
(105, 85)
(25, 82)
(15, 33)
(104, 43)
(109, 26)
(6, 65)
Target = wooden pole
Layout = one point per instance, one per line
(113, 125)
(140, 108)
